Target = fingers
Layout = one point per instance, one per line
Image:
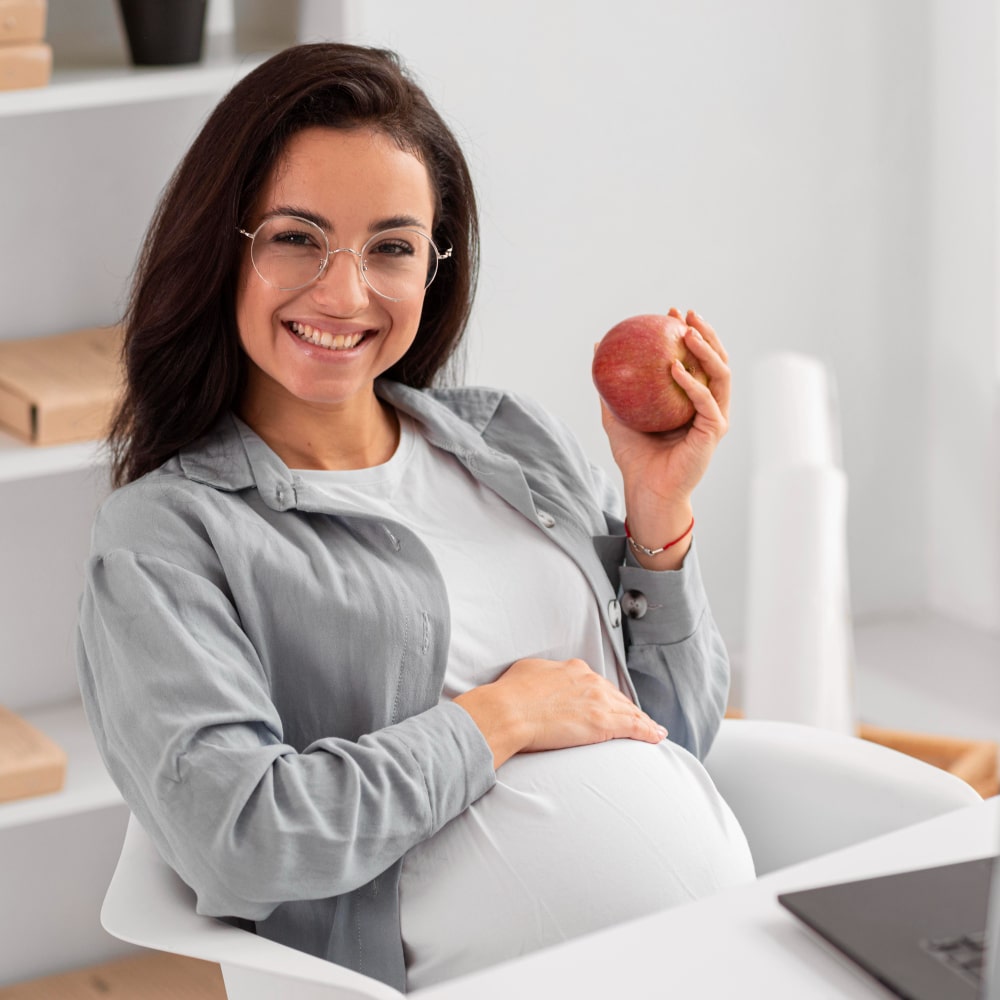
(611, 423)
(719, 375)
(605, 712)
(641, 727)
(619, 719)
(698, 322)
(707, 407)
(566, 703)
(703, 342)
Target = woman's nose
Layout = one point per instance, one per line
(341, 285)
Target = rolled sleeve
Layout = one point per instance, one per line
(676, 656)
(247, 820)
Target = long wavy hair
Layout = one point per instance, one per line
(184, 366)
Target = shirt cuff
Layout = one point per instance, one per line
(662, 606)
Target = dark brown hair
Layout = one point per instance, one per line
(184, 366)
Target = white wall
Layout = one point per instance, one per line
(84, 283)
(963, 345)
(770, 164)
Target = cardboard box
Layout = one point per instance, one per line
(24, 66)
(152, 975)
(30, 763)
(22, 21)
(58, 389)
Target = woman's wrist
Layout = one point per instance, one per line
(492, 714)
(660, 539)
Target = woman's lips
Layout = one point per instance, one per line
(323, 338)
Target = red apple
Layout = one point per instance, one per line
(631, 371)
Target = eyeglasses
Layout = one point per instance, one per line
(289, 252)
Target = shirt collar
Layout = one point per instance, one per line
(232, 457)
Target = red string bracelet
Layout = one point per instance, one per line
(663, 548)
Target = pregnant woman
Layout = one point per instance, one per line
(371, 658)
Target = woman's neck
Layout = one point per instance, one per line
(356, 436)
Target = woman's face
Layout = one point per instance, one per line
(354, 183)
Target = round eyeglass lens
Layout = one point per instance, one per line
(288, 252)
(399, 263)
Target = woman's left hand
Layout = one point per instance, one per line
(660, 471)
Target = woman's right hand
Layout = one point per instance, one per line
(539, 704)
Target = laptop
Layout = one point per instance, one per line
(931, 934)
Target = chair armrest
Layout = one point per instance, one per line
(148, 904)
(799, 791)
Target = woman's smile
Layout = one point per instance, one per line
(320, 336)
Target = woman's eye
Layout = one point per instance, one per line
(392, 248)
(294, 239)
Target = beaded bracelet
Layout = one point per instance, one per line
(663, 548)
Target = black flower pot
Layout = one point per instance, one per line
(164, 32)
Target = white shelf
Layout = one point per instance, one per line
(87, 786)
(103, 86)
(22, 461)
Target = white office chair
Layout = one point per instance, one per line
(797, 791)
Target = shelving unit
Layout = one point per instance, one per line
(87, 788)
(106, 87)
(19, 461)
(84, 160)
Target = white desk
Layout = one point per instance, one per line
(739, 943)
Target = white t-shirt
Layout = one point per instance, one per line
(512, 593)
(567, 841)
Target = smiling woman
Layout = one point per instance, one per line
(366, 654)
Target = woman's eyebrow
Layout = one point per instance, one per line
(375, 226)
(398, 222)
(303, 213)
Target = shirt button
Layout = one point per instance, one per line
(634, 603)
(545, 519)
(615, 614)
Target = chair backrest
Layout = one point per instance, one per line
(800, 791)
(148, 904)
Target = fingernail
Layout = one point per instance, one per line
(696, 332)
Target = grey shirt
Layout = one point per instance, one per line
(263, 672)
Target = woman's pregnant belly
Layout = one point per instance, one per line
(566, 842)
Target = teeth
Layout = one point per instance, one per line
(321, 338)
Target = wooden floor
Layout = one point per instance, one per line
(150, 976)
